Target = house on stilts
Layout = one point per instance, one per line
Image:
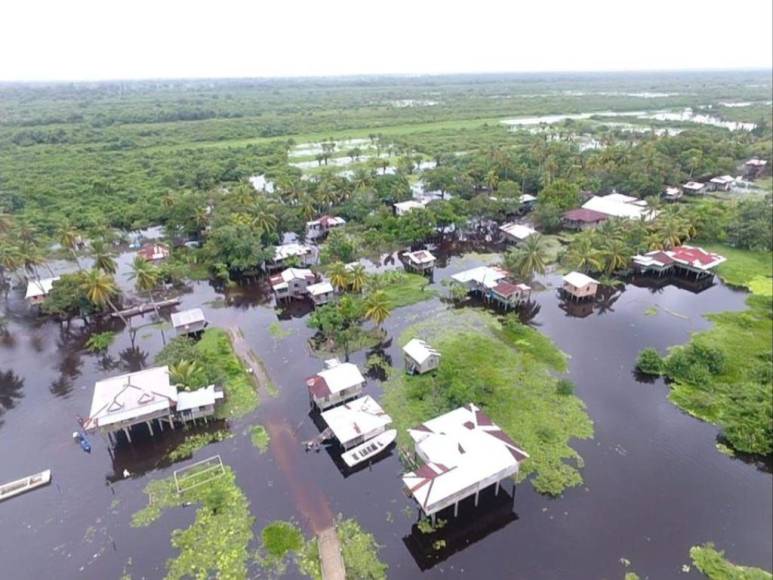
(463, 452)
(690, 262)
(338, 383)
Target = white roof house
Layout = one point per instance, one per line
(284, 278)
(756, 163)
(419, 350)
(487, 276)
(356, 421)
(320, 289)
(404, 207)
(464, 451)
(620, 206)
(39, 289)
(290, 251)
(579, 280)
(527, 198)
(191, 320)
(517, 232)
(420, 259)
(694, 186)
(723, 180)
(131, 398)
(338, 382)
(205, 397)
(326, 222)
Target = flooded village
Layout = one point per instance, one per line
(332, 367)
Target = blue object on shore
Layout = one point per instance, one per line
(85, 443)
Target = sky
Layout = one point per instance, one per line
(133, 39)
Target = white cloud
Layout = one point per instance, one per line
(86, 39)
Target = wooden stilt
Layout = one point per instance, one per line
(150, 427)
(496, 489)
(161, 424)
(128, 437)
(456, 509)
(477, 494)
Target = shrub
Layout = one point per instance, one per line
(564, 387)
(650, 362)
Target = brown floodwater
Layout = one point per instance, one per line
(654, 483)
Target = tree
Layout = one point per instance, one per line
(615, 255)
(70, 239)
(377, 307)
(100, 289)
(189, 374)
(339, 275)
(561, 194)
(650, 362)
(103, 259)
(146, 277)
(357, 278)
(583, 255)
(528, 258)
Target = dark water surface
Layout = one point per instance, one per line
(654, 483)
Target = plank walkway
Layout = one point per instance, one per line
(330, 555)
(248, 357)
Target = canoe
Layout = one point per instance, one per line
(14, 488)
(370, 448)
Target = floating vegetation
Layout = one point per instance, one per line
(260, 437)
(505, 367)
(215, 544)
(193, 443)
(360, 551)
(276, 330)
(279, 540)
(403, 288)
(100, 341)
(713, 564)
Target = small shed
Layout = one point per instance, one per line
(319, 227)
(339, 382)
(516, 232)
(37, 290)
(754, 168)
(419, 261)
(579, 286)
(357, 421)
(671, 194)
(190, 321)
(321, 293)
(509, 294)
(420, 357)
(722, 183)
(192, 405)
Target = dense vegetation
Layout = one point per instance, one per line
(714, 566)
(504, 368)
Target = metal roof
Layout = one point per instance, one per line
(358, 418)
(40, 287)
(419, 350)
(187, 317)
(579, 280)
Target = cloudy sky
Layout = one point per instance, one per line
(110, 39)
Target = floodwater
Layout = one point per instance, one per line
(654, 483)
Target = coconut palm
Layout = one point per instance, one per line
(70, 239)
(146, 277)
(672, 231)
(103, 259)
(583, 255)
(377, 307)
(339, 276)
(100, 288)
(187, 373)
(615, 255)
(10, 259)
(528, 258)
(264, 218)
(357, 278)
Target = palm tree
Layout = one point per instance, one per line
(615, 255)
(357, 278)
(583, 255)
(100, 288)
(265, 219)
(377, 307)
(10, 259)
(70, 238)
(672, 231)
(528, 258)
(187, 373)
(103, 259)
(339, 275)
(146, 277)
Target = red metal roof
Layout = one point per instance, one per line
(691, 255)
(507, 289)
(148, 251)
(318, 387)
(584, 215)
(661, 257)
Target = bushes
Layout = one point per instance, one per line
(649, 362)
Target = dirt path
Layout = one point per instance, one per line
(310, 500)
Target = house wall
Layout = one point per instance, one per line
(585, 291)
(470, 490)
(340, 397)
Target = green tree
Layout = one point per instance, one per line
(528, 258)
(377, 307)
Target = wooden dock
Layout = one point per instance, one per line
(330, 555)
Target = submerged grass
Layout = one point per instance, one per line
(505, 368)
(745, 268)
(714, 566)
(260, 437)
(404, 289)
(193, 443)
(215, 544)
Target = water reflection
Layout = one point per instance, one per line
(472, 525)
(11, 387)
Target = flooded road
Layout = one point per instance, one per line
(654, 483)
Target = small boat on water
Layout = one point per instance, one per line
(19, 486)
(370, 448)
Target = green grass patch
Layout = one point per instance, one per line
(276, 330)
(714, 566)
(260, 437)
(193, 443)
(308, 560)
(215, 544)
(745, 268)
(404, 288)
(279, 539)
(360, 551)
(506, 369)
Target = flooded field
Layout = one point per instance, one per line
(654, 483)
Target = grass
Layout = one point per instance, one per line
(279, 539)
(215, 544)
(729, 384)
(240, 395)
(360, 551)
(506, 369)
(193, 443)
(404, 289)
(260, 437)
(276, 330)
(714, 566)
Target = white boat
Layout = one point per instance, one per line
(370, 448)
(25, 484)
